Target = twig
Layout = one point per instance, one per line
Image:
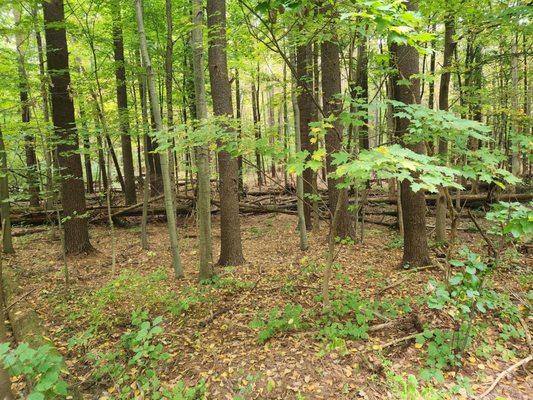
(9, 307)
(504, 374)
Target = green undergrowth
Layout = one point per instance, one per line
(111, 305)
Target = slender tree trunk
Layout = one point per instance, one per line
(76, 229)
(203, 202)
(449, 48)
(29, 139)
(122, 105)
(304, 244)
(331, 91)
(147, 171)
(432, 62)
(238, 115)
(230, 226)
(5, 206)
(168, 63)
(361, 83)
(285, 127)
(105, 131)
(49, 195)
(257, 130)
(304, 71)
(86, 149)
(156, 112)
(405, 61)
(516, 153)
(271, 126)
(101, 161)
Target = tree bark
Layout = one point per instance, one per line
(405, 61)
(86, 150)
(122, 105)
(331, 90)
(304, 73)
(76, 230)
(230, 227)
(203, 203)
(29, 140)
(257, 130)
(444, 90)
(5, 206)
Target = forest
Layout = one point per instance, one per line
(266, 199)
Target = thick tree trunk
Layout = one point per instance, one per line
(76, 230)
(405, 60)
(304, 72)
(156, 113)
(444, 90)
(122, 105)
(29, 140)
(203, 203)
(230, 226)
(331, 90)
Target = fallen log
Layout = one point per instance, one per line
(26, 324)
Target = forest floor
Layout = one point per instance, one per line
(207, 326)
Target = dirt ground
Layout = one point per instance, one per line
(212, 339)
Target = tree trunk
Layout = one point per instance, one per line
(449, 48)
(5, 206)
(239, 120)
(86, 150)
(331, 90)
(122, 105)
(304, 73)
(230, 227)
(76, 230)
(405, 61)
(203, 202)
(168, 64)
(29, 140)
(516, 154)
(257, 131)
(101, 161)
(361, 83)
(302, 230)
(156, 112)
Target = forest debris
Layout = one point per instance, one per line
(503, 374)
(225, 309)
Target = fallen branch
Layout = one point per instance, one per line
(503, 374)
(401, 340)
